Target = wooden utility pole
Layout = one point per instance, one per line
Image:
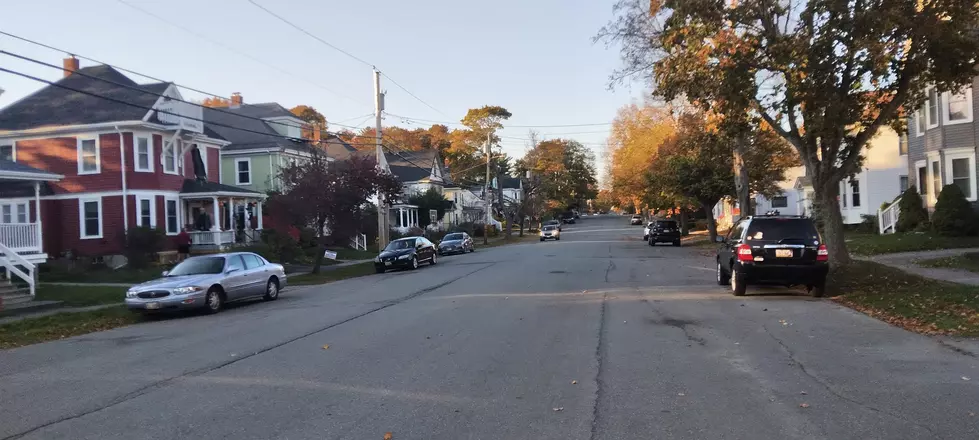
(486, 192)
(383, 230)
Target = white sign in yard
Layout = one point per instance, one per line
(330, 254)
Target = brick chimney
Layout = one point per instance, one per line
(236, 99)
(70, 65)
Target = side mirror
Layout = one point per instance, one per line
(720, 239)
(165, 273)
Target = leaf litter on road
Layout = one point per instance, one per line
(326, 347)
(803, 405)
(560, 408)
(388, 436)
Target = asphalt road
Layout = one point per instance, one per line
(597, 336)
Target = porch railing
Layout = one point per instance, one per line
(20, 237)
(212, 237)
(359, 242)
(887, 217)
(13, 262)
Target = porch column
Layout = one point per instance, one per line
(258, 211)
(401, 213)
(216, 222)
(37, 216)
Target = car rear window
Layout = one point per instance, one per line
(666, 224)
(782, 229)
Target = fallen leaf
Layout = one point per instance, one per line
(965, 378)
(559, 409)
(574, 382)
(803, 405)
(388, 436)
(803, 393)
(680, 394)
(326, 347)
(764, 310)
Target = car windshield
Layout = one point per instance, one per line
(549, 228)
(782, 229)
(636, 216)
(395, 245)
(198, 266)
(452, 237)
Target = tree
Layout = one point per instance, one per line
(912, 211)
(637, 132)
(564, 171)
(310, 115)
(825, 75)
(322, 193)
(953, 214)
(216, 102)
(429, 200)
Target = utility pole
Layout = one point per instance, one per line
(382, 210)
(486, 193)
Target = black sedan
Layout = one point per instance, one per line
(406, 253)
(456, 243)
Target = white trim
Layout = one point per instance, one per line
(166, 219)
(46, 132)
(13, 149)
(24, 175)
(208, 195)
(938, 113)
(175, 153)
(98, 154)
(149, 152)
(238, 172)
(13, 205)
(81, 218)
(139, 210)
(946, 107)
(962, 153)
(933, 157)
(919, 123)
(917, 175)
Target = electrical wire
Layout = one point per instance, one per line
(508, 126)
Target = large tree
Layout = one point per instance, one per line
(825, 74)
(323, 193)
(637, 132)
(564, 172)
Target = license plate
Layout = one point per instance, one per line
(387, 263)
(783, 253)
(152, 306)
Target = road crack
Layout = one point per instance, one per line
(611, 267)
(204, 370)
(600, 352)
(832, 389)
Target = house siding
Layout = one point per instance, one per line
(262, 172)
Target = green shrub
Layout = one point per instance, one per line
(868, 225)
(142, 245)
(913, 213)
(279, 247)
(953, 214)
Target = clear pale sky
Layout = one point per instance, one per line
(534, 57)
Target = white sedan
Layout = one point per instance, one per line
(645, 231)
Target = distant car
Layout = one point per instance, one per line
(663, 231)
(645, 231)
(550, 232)
(568, 218)
(636, 220)
(551, 223)
(456, 243)
(209, 282)
(407, 253)
(779, 250)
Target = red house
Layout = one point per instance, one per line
(113, 154)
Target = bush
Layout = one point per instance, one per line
(953, 214)
(913, 213)
(142, 245)
(699, 225)
(869, 224)
(279, 247)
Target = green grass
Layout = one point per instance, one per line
(54, 273)
(915, 303)
(328, 276)
(968, 261)
(876, 244)
(64, 325)
(81, 296)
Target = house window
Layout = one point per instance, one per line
(243, 171)
(88, 156)
(843, 194)
(7, 152)
(919, 117)
(932, 104)
(173, 226)
(902, 145)
(13, 213)
(855, 192)
(90, 218)
(903, 184)
(936, 179)
(922, 178)
(780, 202)
(958, 107)
(170, 154)
(145, 212)
(144, 154)
(960, 164)
(6, 214)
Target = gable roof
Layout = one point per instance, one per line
(510, 182)
(244, 117)
(57, 106)
(409, 173)
(338, 148)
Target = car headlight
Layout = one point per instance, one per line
(377, 259)
(186, 290)
(404, 257)
(131, 293)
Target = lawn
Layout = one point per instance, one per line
(330, 275)
(968, 261)
(64, 325)
(909, 301)
(876, 244)
(54, 273)
(81, 296)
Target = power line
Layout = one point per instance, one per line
(406, 118)
(413, 95)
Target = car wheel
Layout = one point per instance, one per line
(676, 243)
(737, 284)
(414, 262)
(645, 237)
(271, 290)
(722, 278)
(542, 239)
(818, 290)
(558, 238)
(651, 242)
(213, 301)
(434, 260)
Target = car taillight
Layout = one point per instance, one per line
(822, 254)
(744, 253)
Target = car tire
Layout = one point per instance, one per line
(414, 262)
(723, 279)
(818, 290)
(676, 243)
(645, 237)
(271, 290)
(558, 238)
(542, 239)
(433, 261)
(738, 287)
(651, 242)
(213, 301)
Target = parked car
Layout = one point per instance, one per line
(779, 250)
(645, 231)
(568, 218)
(406, 252)
(550, 232)
(663, 231)
(456, 243)
(636, 220)
(209, 282)
(551, 223)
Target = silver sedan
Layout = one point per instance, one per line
(209, 281)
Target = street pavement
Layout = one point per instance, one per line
(597, 336)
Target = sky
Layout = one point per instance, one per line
(534, 57)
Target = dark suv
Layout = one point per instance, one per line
(779, 250)
(664, 231)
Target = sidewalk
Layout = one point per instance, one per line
(906, 262)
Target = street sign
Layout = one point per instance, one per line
(330, 254)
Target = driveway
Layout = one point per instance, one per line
(597, 336)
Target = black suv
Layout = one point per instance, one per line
(779, 250)
(664, 231)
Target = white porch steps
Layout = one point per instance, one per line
(11, 294)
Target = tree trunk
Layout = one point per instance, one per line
(741, 184)
(711, 224)
(828, 210)
(684, 230)
(521, 224)
(321, 245)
